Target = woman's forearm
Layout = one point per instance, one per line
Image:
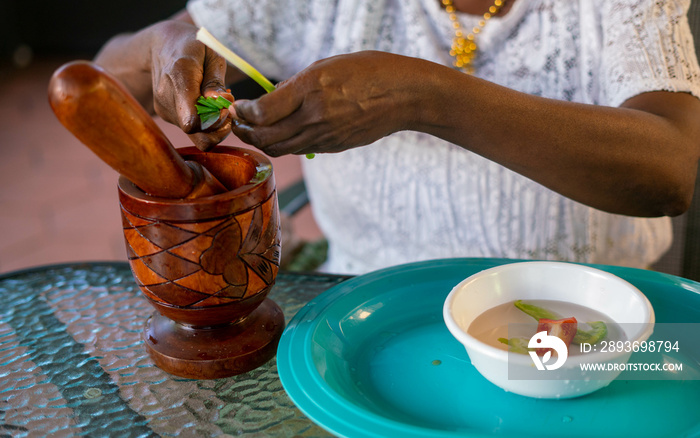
(640, 159)
(128, 58)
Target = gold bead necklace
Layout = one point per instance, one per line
(464, 47)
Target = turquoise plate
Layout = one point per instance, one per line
(372, 357)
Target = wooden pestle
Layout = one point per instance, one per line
(98, 110)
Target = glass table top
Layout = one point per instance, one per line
(72, 363)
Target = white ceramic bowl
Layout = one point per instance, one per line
(578, 284)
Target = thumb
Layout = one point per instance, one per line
(213, 74)
(270, 108)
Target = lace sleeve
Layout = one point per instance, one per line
(647, 46)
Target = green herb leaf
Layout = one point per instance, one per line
(201, 109)
(222, 102)
(209, 109)
(596, 334)
(208, 119)
(204, 103)
(207, 102)
(516, 345)
(536, 312)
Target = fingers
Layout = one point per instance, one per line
(195, 78)
(186, 78)
(212, 85)
(215, 89)
(206, 140)
(272, 107)
(213, 75)
(221, 129)
(264, 136)
(271, 119)
(284, 138)
(185, 69)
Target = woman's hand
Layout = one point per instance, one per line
(182, 70)
(167, 70)
(335, 104)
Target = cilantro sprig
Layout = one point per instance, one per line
(209, 109)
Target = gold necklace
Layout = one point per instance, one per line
(464, 47)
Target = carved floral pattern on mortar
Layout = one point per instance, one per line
(209, 263)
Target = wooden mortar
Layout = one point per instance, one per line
(207, 265)
(202, 229)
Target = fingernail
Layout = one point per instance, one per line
(190, 124)
(242, 125)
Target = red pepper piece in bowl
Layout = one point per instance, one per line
(564, 329)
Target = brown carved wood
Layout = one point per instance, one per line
(207, 265)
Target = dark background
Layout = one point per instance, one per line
(78, 28)
(74, 27)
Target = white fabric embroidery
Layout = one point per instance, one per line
(411, 196)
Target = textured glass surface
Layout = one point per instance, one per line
(72, 363)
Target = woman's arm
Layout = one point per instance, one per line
(640, 159)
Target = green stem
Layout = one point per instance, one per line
(208, 39)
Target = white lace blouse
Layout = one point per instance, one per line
(411, 196)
